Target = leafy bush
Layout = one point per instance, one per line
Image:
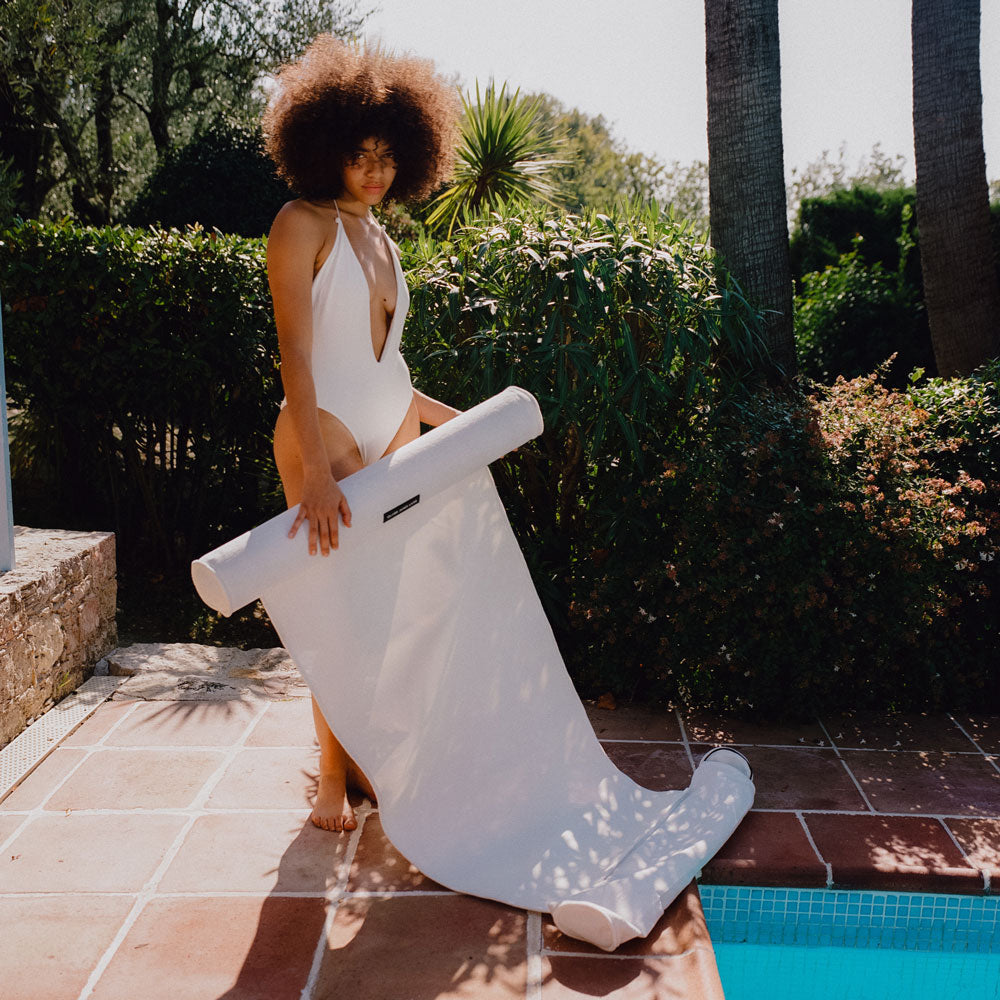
(145, 367)
(222, 179)
(812, 551)
(859, 284)
(828, 227)
(851, 317)
(618, 326)
(856, 313)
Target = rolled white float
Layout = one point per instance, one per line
(424, 642)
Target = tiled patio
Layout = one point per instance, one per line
(163, 850)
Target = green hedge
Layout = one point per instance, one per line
(830, 225)
(144, 364)
(829, 549)
(620, 328)
(695, 535)
(859, 290)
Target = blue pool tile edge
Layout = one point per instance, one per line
(855, 919)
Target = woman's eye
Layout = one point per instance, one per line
(360, 159)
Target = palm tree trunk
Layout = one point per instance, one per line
(746, 179)
(961, 290)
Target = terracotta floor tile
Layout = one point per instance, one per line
(259, 853)
(37, 786)
(892, 852)
(216, 949)
(137, 779)
(799, 778)
(55, 941)
(944, 784)
(379, 867)
(654, 766)
(984, 729)
(691, 977)
(105, 853)
(185, 723)
(8, 824)
(268, 779)
(632, 722)
(980, 839)
(441, 947)
(767, 849)
(681, 928)
(285, 724)
(897, 732)
(714, 728)
(96, 727)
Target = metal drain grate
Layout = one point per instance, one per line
(26, 751)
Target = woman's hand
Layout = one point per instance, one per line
(323, 504)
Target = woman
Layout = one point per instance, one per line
(347, 128)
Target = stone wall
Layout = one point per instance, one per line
(57, 619)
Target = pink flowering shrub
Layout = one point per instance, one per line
(831, 548)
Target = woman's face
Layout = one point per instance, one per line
(369, 171)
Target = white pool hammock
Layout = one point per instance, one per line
(426, 647)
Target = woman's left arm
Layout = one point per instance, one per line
(432, 411)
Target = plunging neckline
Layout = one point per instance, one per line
(371, 291)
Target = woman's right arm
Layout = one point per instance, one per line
(292, 246)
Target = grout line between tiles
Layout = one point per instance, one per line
(87, 754)
(883, 813)
(395, 893)
(614, 956)
(335, 896)
(178, 894)
(145, 895)
(966, 734)
(39, 809)
(850, 773)
(297, 810)
(990, 758)
(149, 889)
(983, 873)
(533, 951)
(684, 738)
(798, 746)
(320, 950)
(812, 843)
(953, 838)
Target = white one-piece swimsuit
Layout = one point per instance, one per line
(369, 395)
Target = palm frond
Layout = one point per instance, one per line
(505, 157)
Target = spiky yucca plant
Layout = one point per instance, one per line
(505, 159)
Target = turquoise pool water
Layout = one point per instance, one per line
(822, 944)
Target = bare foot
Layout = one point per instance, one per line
(332, 810)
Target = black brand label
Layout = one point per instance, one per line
(399, 508)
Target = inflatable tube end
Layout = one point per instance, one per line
(210, 588)
(593, 923)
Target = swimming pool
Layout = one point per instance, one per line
(809, 944)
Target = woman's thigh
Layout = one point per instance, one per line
(341, 452)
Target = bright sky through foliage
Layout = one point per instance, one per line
(641, 63)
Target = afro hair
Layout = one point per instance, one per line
(337, 95)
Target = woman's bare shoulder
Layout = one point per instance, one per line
(301, 217)
(298, 224)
